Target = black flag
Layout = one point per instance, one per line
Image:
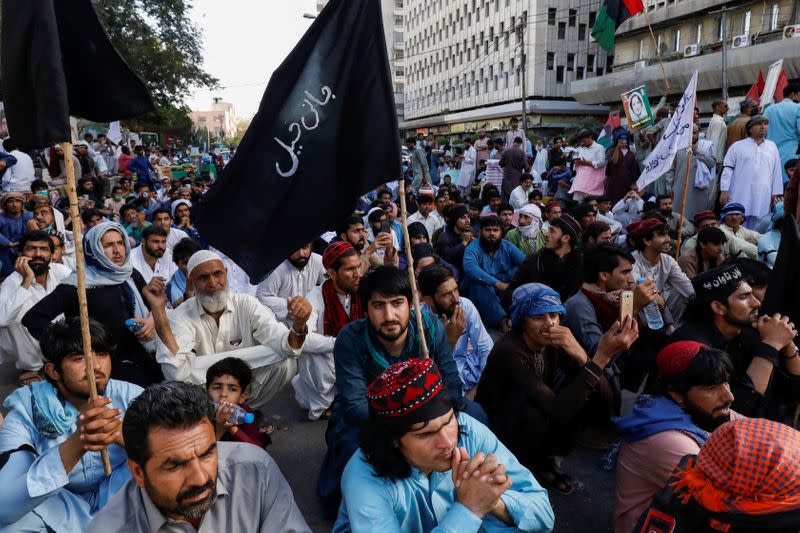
(57, 61)
(325, 133)
(783, 290)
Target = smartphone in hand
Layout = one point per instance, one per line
(625, 305)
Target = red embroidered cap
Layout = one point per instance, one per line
(334, 251)
(676, 357)
(404, 388)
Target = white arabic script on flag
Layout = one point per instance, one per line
(677, 136)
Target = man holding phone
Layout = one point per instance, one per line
(607, 277)
(381, 235)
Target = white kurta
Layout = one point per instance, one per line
(751, 174)
(432, 222)
(519, 197)
(15, 340)
(175, 236)
(287, 281)
(315, 382)
(164, 266)
(467, 173)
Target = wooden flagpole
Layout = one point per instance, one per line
(411, 277)
(80, 271)
(683, 204)
(658, 52)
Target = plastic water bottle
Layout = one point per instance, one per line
(652, 313)
(134, 325)
(238, 415)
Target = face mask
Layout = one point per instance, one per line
(118, 198)
(42, 193)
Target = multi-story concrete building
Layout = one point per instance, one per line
(220, 120)
(464, 67)
(689, 34)
(393, 29)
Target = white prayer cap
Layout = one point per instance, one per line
(176, 203)
(200, 257)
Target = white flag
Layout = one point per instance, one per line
(114, 132)
(677, 136)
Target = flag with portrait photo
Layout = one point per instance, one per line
(677, 136)
(325, 133)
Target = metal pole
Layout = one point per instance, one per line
(524, 72)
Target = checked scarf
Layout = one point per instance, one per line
(335, 316)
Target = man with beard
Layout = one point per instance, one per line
(217, 323)
(152, 258)
(489, 265)
(51, 478)
(737, 129)
(664, 204)
(352, 231)
(653, 261)
(14, 221)
(295, 276)
(365, 348)
(695, 400)
(34, 278)
(558, 264)
(505, 212)
(763, 352)
(184, 480)
(163, 217)
(466, 333)
(456, 236)
(335, 304)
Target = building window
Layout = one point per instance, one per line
(599, 72)
(581, 32)
(551, 58)
(560, 74)
(773, 20)
(562, 30)
(609, 63)
(579, 74)
(592, 18)
(677, 46)
(573, 16)
(590, 62)
(570, 62)
(551, 16)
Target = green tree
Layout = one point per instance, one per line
(241, 127)
(160, 43)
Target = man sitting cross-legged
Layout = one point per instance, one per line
(425, 466)
(51, 474)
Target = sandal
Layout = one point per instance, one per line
(557, 481)
(26, 377)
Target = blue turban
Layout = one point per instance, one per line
(534, 299)
(621, 134)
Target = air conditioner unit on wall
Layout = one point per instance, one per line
(740, 41)
(691, 50)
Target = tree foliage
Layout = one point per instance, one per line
(160, 43)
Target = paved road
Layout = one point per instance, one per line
(298, 449)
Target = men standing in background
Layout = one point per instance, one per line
(514, 162)
(717, 131)
(784, 129)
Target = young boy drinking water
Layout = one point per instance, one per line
(226, 382)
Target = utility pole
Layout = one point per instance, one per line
(724, 35)
(524, 73)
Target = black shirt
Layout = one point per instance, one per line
(109, 306)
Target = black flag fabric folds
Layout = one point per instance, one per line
(783, 290)
(325, 133)
(57, 61)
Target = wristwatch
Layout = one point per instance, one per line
(297, 333)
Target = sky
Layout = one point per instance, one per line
(244, 41)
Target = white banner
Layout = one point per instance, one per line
(114, 132)
(768, 96)
(677, 135)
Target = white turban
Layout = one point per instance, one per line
(176, 203)
(200, 257)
